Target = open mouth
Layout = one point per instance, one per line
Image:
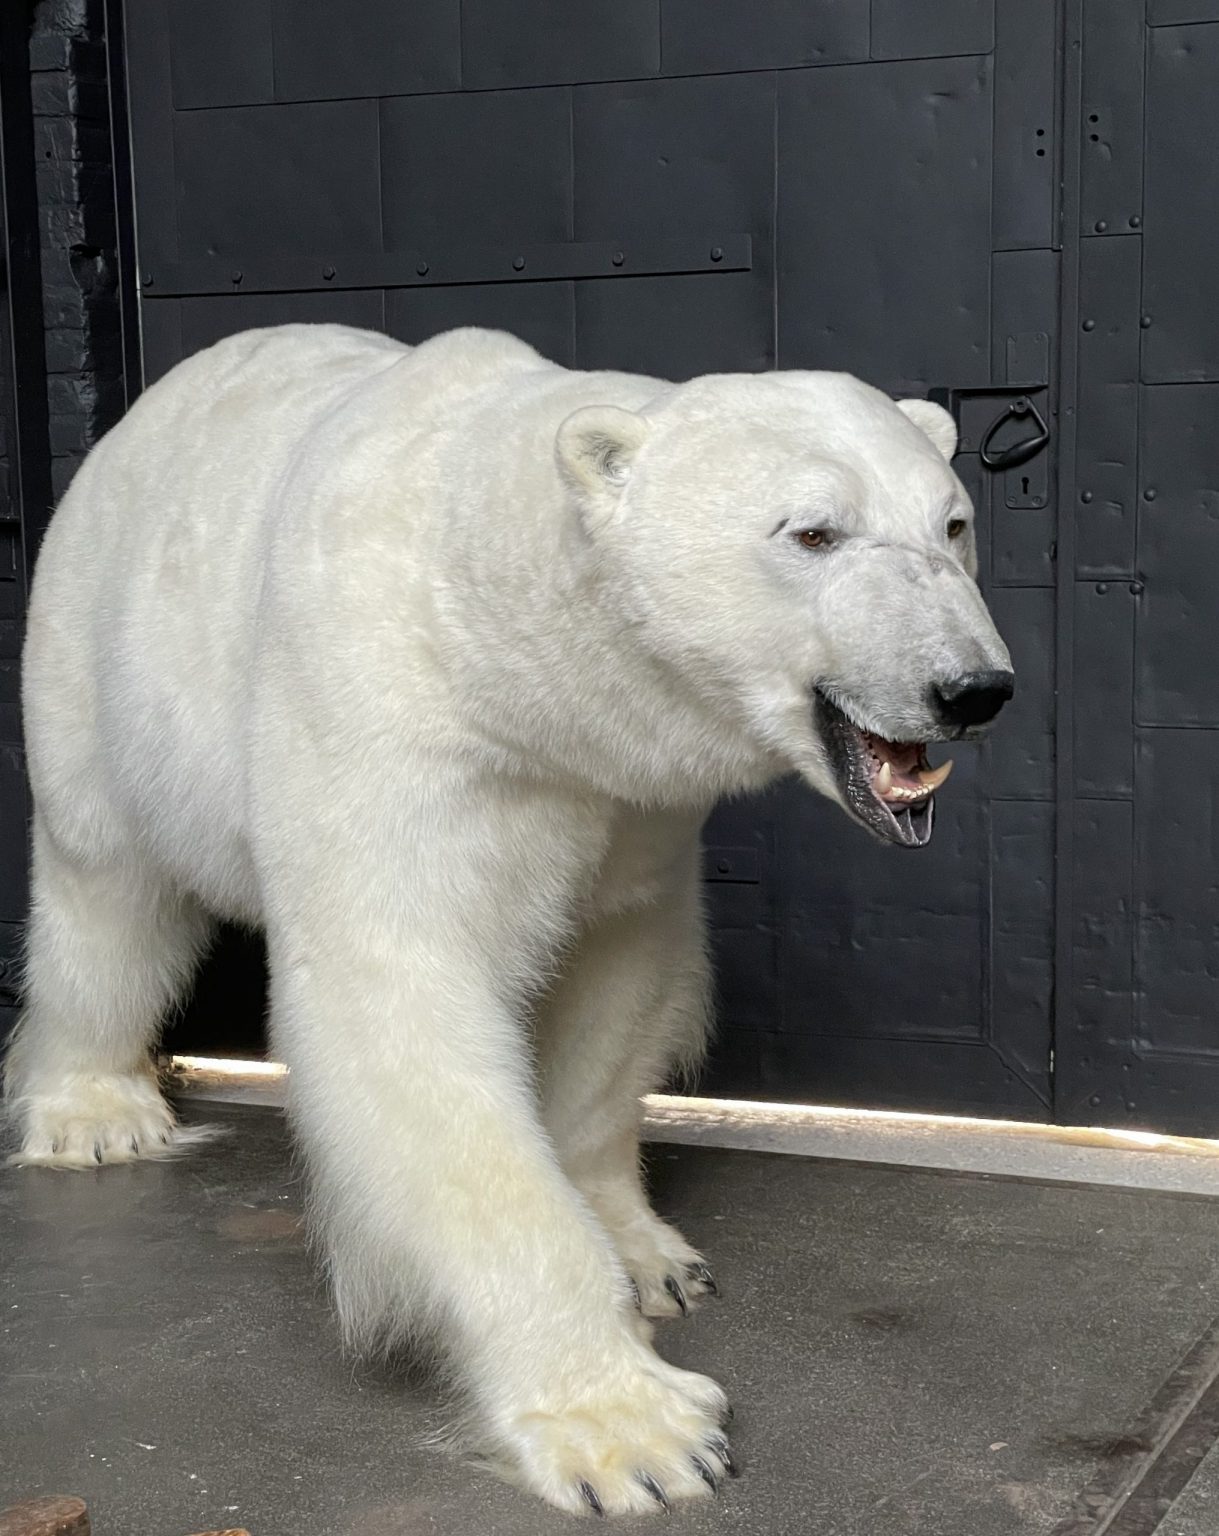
(887, 785)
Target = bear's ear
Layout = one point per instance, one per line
(595, 448)
(935, 421)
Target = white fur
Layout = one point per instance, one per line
(432, 662)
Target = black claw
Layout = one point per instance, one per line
(677, 1294)
(636, 1295)
(654, 1488)
(97, 1152)
(589, 1494)
(705, 1472)
(135, 1146)
(728, 1414)
(703, 1275)
(721, 1448)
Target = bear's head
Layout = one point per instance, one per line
(797, 545)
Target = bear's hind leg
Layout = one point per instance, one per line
(109, 948)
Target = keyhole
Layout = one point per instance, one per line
(1024, 485)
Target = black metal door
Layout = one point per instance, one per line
(1004, 200)
(681, 186)
(1139, 1033)
(929, 193)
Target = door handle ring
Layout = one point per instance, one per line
(1014, 453)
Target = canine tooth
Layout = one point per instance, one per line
(932, 778)
(884, 779)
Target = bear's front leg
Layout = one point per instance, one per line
(630, 1007)
(396, 977)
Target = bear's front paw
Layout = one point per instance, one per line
(638, 1442)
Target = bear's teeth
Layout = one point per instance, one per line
(929, 781)
(901, 792)
(932, 778)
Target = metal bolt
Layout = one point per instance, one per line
(1102, 587)
(421, 267)
(1101, 226)
(1086, 497)
(723, 866)
(236, 277)
(717, 253)
(1094, 1100)
(148, 279)
(1149, 494)
(518, 263)
(327, 273)
(618, 258)
(1036, 501)
(1089, 325)
(1136, 588)
(1135, 221)
(1145, 322)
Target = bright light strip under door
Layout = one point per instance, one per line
(960, 1143)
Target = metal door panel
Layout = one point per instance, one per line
(926, 29)
(221, 53)
(543, 314)
(1177, 681)
(203, 321)
(706, 36)
(373, 48)
(1181, 277)
(484, 169)
(552, 42)
(255, 179)
(884, 271)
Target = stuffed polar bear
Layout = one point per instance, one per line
(431, 661)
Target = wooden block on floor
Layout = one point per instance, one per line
(58, 1515)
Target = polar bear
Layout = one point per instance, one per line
(432, 661)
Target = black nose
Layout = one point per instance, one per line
(973, 698)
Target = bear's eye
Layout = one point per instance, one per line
(956, 527)
(815, 538)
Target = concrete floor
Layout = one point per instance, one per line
(1196, 1510)
(907, 1352)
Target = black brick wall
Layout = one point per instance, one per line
(8, 542)
(77, 216)
(83, 355)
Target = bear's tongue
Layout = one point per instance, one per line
(900, 771)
